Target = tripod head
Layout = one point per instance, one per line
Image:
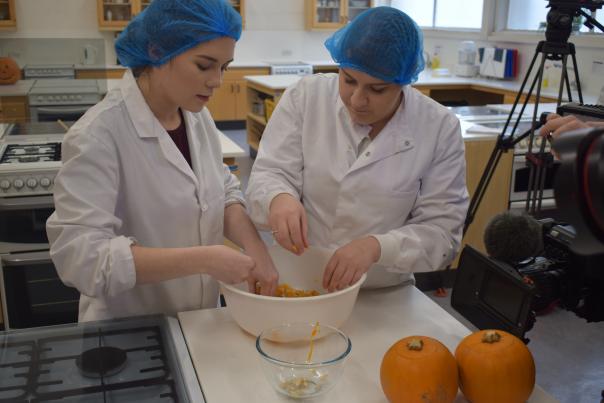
(561, 14)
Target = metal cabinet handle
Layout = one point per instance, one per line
(23, 259)
(25, 203)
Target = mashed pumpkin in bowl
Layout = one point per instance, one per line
(300, 279)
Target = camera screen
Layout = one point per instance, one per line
(491, 294)
(503, 296)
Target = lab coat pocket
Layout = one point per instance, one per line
(394, 207)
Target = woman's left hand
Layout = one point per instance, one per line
(264, 272)
(350, 262)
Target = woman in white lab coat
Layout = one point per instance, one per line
(362, 163)
(143, 199)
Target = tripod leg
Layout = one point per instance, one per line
(530, 196)
(574, 59)
(564, 80)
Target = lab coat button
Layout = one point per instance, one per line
(367, 154)
(204, 207)
(406, 142)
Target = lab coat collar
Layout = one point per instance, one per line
(394, 138)
(148, 126)
(145, 122)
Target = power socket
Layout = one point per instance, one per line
(597, 67)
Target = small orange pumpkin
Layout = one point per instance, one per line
(419, 369)
(10, 72)
(495, 367)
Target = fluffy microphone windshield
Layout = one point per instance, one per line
(513, 237)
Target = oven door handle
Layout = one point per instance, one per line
(24, 259)
(62, 109)
(24, 203)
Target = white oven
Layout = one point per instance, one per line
(56, 99)
(31, 291)
(520, 182)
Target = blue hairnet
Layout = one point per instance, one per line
(167, 28)
(383, 42)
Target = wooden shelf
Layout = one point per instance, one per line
(257, 118)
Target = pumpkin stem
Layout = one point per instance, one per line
(491, 337)
(415, 345)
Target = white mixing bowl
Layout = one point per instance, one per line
(254, 313)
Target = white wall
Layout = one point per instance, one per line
(274, 31)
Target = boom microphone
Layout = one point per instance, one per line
(513, 237)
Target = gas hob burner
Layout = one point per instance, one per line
(101, 361)
(24, 153)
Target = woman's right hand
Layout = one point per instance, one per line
(287, 219)
(228, 265)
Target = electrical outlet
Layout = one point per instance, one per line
(597, 67)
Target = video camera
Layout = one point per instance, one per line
(569, 271)
(562, 12)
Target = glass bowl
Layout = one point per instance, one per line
(285, 351)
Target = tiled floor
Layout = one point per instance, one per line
(568, 351)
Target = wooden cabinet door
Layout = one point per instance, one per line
(114, 15)
(222, 104)
(325, 14)
(14, 109)
(240, 100)
(8, 18)
(355, 7)
(497, 195)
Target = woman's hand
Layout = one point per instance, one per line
(350, 262)
(287, 219)
(264, 272)
(556, 125)
(228, 265)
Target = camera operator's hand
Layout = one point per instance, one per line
(557, 125)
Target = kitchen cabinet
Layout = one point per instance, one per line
(8, 18)
(496, 197)
(114, 15)
(14, 109)
(471, 94)
(333, 14)
(103, 74)
(229, 102)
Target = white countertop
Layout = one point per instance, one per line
(275, 82)
(19, 89)
(228, 365)
(281, 82)
(230, 149)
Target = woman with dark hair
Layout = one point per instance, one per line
(362, 163)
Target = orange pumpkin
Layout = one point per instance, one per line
(419, 369)
(10, 72)
(495, 367)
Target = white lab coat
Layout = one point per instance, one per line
(123, 180)
(407, 188)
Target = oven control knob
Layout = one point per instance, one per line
(18, 183)
(32, 183)
(4, 184)
(40, 98)
(45, 182)
(79, 97)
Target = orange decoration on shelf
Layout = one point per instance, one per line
(10, 72)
